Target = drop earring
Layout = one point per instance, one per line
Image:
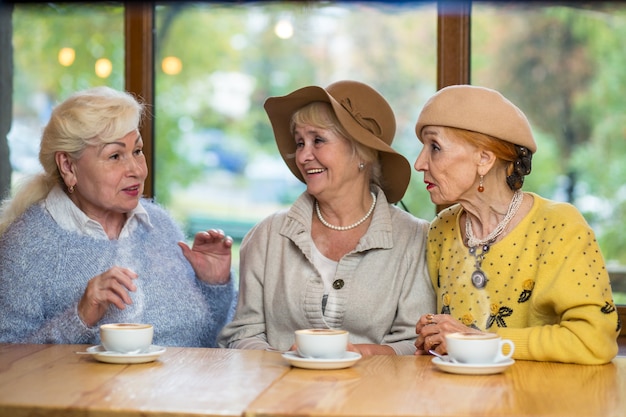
(70, 189)
(480, 185)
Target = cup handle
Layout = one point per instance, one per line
(502, 356)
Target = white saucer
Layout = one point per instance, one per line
(349, 359)
(472, 368)
(102, 355)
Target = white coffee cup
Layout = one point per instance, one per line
(126, 337)
(322, 343)
(478, 348)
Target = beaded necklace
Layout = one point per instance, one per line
(342, 228)
(479, 279)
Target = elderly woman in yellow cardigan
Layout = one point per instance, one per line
(503, 260)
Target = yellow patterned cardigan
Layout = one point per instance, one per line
(548, 289)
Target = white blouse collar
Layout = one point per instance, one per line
(69, 217)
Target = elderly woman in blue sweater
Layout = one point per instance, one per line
(80, 247)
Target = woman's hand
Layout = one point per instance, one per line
(431, 330)
(210, 256)
(110, 287)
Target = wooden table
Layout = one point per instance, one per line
(51, 380)
(412, 386)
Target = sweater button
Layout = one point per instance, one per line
(338, 284)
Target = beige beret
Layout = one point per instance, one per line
(478, 109)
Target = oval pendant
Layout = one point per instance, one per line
(479, 279)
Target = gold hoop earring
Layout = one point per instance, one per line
(70, 189)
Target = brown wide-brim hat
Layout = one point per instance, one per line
(363, 113)
(477, 109)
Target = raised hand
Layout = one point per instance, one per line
(210, 256)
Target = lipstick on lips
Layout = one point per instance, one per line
(132, 190)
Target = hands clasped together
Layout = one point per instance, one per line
(431, 330)
(210, 257)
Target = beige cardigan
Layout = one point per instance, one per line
(386, 284)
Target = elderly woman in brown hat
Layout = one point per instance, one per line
(503, 260)
(343, 256)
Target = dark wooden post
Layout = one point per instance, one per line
(453, 45)
(139, 67)
(6, 95)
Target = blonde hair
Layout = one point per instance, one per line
(321, 115)
(91, 117)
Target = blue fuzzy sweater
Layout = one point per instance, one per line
(44, 271)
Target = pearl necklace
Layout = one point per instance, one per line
(472, 241)
(352, 226)
(479, 279)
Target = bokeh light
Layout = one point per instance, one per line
(284, 29)
(66, 56)
(171, 65)
(103, 68)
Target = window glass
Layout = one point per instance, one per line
(58, 49)
(217, 164)
(564, 66)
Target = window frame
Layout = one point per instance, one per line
(453, 63)
(453, 57)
